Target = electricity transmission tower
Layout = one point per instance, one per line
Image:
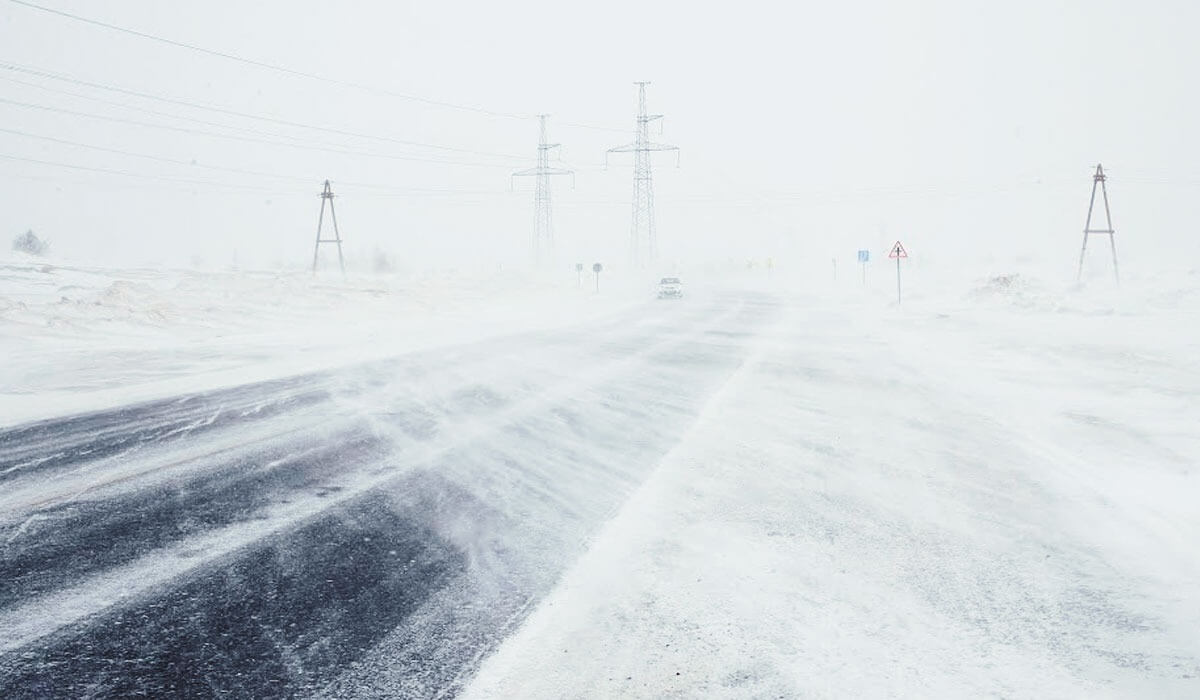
(1099, 179)
(327, 196)
(543, 227)
(643, 245)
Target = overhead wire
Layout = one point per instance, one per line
(294, 72)
(371, 190)
(271, 66)
(376, 190)
(303, 74)
(270, 139)
(245, 139)
(61, 183)
(245, 115)
(701, 200)
(387, 189)
(160, 159)
(301, 142)
(110, 171)
(154, 112)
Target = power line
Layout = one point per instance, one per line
(154, 112)
(712, 200)
(298, 73)
(593, 127)
(390, 192)
(59, 182)
(428, 197)
(186, 163)
(271, 66)
(244, 115)
(197, 132)
(160, 159)
(122, 173)
(304, 143)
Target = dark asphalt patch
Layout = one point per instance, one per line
(80, 538)
(278, 621)
(52, 445)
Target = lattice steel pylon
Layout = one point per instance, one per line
(327, 196)
(1099, 179)
(643, 243)
(543, 226)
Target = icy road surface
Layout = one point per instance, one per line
(373, 531)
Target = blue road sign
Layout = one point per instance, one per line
(864, 256)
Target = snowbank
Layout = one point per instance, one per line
(79, 338)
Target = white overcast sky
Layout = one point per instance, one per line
(807, 129)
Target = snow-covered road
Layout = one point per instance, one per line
(374, 530)
(747, 493)
(943, 501)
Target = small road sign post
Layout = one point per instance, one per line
(596, 268)
(579, 275)
(864, 256)
(898, 252)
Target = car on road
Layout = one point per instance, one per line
(670, 288)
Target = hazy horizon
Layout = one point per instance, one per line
(969, 130)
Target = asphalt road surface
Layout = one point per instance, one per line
(373, 531)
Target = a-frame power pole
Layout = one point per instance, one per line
(327, 196)
(1099, 180)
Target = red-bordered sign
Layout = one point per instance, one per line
(898, 251)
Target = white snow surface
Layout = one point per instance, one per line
(990, 490)
(993, 490)
(76, 338)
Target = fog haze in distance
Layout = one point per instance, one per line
(806, 130)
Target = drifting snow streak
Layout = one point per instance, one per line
(377, 529)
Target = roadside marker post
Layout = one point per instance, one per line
(864, 256)
(898, 252)
(596, 268)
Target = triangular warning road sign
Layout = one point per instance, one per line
(898, 251)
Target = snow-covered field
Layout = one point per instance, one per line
(990, 490)
(79, 338)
